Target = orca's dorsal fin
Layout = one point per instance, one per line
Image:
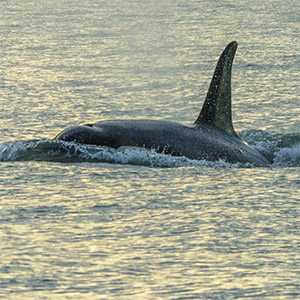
(216, 109)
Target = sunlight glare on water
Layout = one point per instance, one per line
(81, 222)
(148, 241)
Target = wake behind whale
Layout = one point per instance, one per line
(211, 137)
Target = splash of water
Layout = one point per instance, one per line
(284, 150)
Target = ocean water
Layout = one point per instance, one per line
(87, 222)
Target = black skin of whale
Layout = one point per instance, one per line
(211, 137)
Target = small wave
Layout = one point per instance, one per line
(288, 157)
(65, 152)
(282, 149)
(288, 150)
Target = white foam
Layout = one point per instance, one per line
(141, 156)
(61, 151)
(9, 151)
(288, 156)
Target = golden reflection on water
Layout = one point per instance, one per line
(99, 233)
(96, 231)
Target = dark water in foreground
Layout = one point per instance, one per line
(86, 222)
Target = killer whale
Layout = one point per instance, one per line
(211, 137)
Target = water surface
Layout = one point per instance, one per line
(83, 222)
